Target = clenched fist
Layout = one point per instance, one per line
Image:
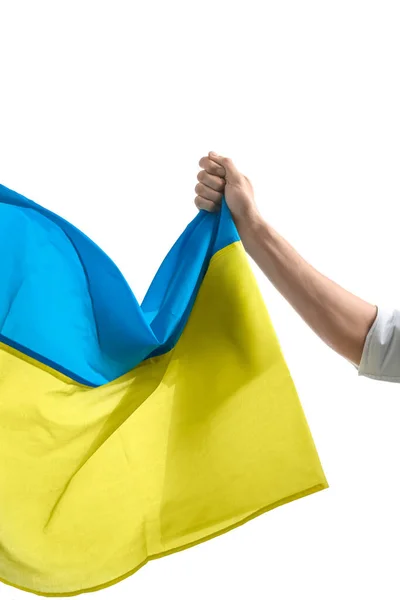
(220, 177)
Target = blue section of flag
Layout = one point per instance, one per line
(57, 284)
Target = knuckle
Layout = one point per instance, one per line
(200, 175)
(221, 183)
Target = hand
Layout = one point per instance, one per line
(220, 177)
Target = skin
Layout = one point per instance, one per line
(341, 319)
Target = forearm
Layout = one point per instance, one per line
(341, 319)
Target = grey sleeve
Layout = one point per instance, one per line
(381, 352)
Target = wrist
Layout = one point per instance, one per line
(250, 227)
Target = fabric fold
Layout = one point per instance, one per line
(130, 431)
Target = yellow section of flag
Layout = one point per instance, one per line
(94, 482)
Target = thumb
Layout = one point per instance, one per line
(232, 175)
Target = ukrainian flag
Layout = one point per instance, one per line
(130, 431)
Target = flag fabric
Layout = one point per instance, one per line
(129, 431)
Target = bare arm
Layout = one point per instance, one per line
(341, 319)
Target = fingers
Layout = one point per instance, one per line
(211, 167)
(204, 204)
(208, 193)
(217, 172)
(212, 181)
(211, 184)
(232, 175)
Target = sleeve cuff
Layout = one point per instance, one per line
(381, 352)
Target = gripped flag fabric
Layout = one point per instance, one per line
(130, 431)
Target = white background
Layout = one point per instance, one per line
(106, 109)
